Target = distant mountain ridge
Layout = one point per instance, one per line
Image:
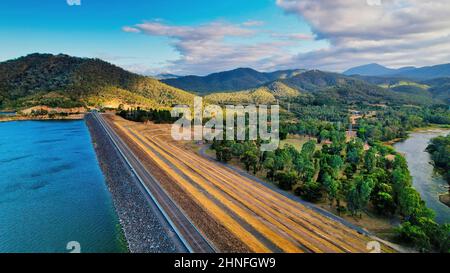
(233, 80)
(166, 76)
(374, 70)
(421, 73)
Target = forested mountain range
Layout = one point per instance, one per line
(332, 88)
(65, 81)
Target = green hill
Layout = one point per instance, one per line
(263, 95)
(26, 81)
(440, 89)
(257, 96)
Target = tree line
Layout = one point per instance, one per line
(140, 115)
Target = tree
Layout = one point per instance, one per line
(269, 165)
(237, 149)
(332, 187)
(286, 179)
(359, 194)
(383, 199)
(324, 135)
(310, 191)
(414, 235)
(410, 202)
(370, 160)
(251, 159)
(336, 163)
(223, 150)
(308, 171)
(441, 238)
(355, 150)
(308, 149)
(439, 149)
(401, 180)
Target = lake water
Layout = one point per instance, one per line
(425, 179)
(52, 190)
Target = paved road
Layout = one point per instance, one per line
(189, 236)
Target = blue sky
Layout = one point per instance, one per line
(201, 37)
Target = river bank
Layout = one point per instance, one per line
(143, 228)
(430, 184)
(418, 129)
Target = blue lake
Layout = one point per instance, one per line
(52, 190)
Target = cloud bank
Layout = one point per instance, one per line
(213, 47)
(391, 32)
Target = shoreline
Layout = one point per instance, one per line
(26, 118)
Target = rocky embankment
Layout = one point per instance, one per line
(144, 229)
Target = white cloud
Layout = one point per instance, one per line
(131, 29)
(253, 23)
(207, 48)
(374, 2)
(392, 32)
(73, 2)
(211, 31)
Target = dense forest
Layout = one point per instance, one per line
(63, 81)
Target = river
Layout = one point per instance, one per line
(425, 180)
(52, 190)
